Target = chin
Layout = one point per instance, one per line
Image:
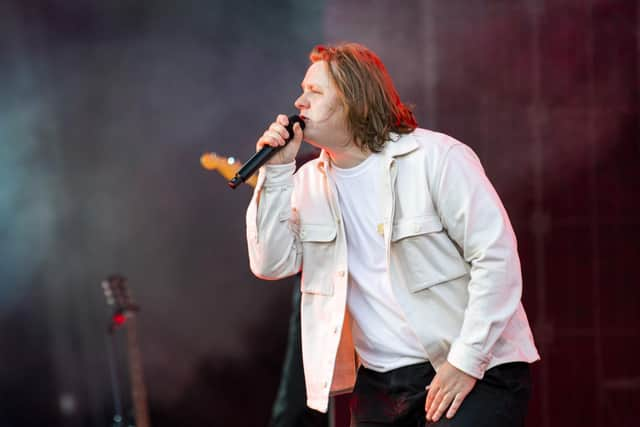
(309, 136)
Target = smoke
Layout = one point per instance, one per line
(28, 184)
(104, 114)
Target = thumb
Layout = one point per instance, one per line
(297, 133)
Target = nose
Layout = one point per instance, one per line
(301, 103)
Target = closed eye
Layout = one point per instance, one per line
(312, 89)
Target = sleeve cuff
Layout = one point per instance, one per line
(468, 359)
(277, 175)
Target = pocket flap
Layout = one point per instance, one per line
(317, 232)
(408, 227)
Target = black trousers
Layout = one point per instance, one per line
(397, 398)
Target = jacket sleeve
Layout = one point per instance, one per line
(272, 225)
(477, 221)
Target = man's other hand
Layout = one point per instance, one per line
(449, 388)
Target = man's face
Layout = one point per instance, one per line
(321, 108)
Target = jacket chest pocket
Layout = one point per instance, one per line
(423, 253)
(318, 258)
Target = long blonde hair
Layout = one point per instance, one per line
(367, 92)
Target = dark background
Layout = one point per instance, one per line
(106, 107)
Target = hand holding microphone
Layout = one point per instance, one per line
(279, 144)
(285, 134)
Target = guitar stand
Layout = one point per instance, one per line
(118, 420)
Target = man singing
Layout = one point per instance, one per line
(411, 280)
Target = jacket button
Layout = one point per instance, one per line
(325, 385)
(341, 273)
(335, 330)
(416, 227)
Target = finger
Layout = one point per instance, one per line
(435, 403)
(276, 137)
(297, 132)
(444, 404)
(270, 138)
(431, 393)
(265, 141)
(282, 119)
(455, 405)
(279, 129)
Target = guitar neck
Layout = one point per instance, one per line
(225, 166)
(138, 389)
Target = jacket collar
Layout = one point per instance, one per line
(397, 145)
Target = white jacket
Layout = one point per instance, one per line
(451, 255)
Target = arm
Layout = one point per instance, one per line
(272, 226)
(475, 219)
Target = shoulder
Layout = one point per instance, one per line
(432, 142)
(432, 151)
(441, 146)
(432, 146)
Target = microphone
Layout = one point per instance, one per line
(260, 158)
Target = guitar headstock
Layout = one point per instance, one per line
(118, 295)
(226, 166)
(211, 161)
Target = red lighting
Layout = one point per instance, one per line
(119, 319)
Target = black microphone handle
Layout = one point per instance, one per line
(256, 161)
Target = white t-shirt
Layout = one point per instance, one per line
(381, 334)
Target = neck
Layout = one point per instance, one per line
(348, 156)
